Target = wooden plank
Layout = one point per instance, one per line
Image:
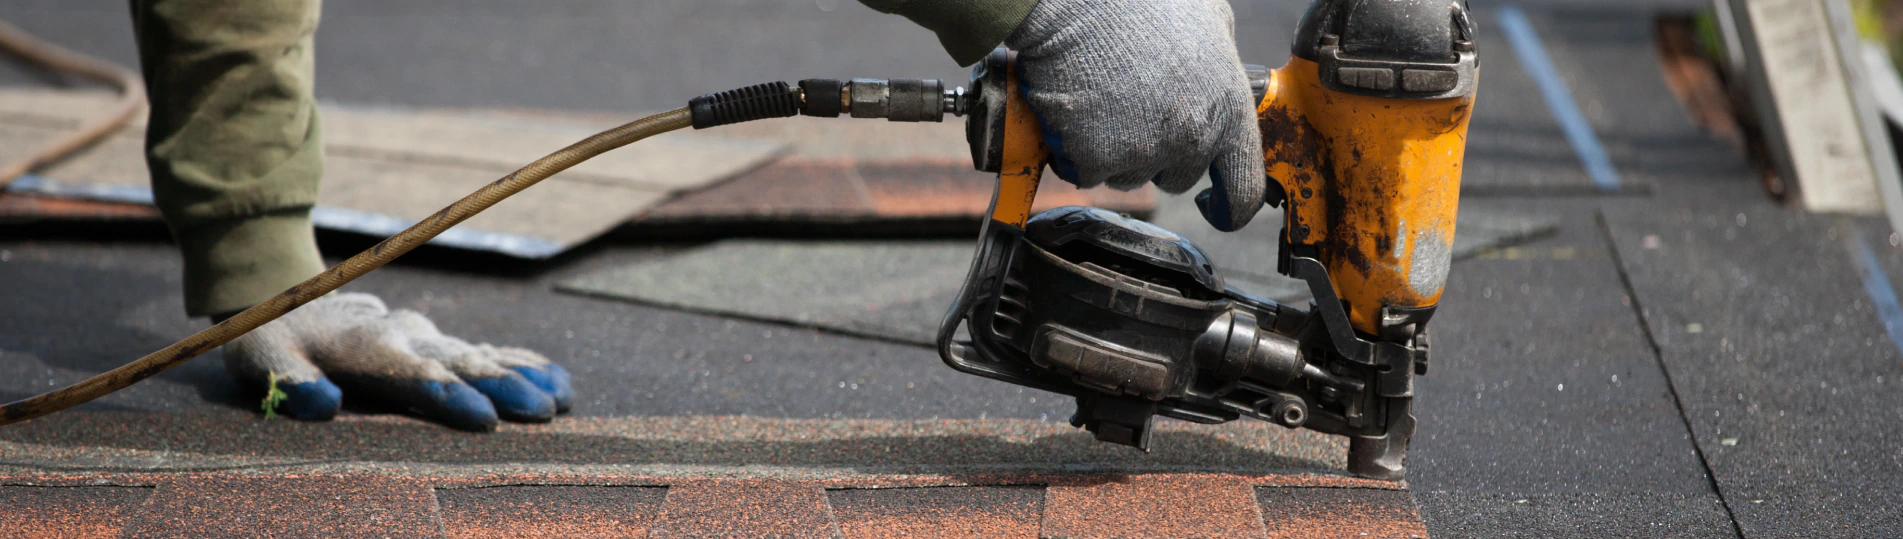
(1816, 113)
(387, 169)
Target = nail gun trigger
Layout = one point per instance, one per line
(1273, 193)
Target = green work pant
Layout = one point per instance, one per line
(233, 143)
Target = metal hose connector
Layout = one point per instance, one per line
(344, 272)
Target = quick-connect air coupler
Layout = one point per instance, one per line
(898, 100)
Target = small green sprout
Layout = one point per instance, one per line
(273, 396)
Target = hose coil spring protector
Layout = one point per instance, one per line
(757, 102)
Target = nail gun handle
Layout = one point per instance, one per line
(1005, 138)
(1024, 155)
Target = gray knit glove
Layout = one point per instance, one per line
(351, 343)
(1137, 91)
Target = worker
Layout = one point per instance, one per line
(234, 148)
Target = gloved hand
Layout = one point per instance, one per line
(353, 342)
(1136, 91)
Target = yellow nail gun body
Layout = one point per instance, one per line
(1364, 132)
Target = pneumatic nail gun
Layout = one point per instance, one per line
(1364, 131)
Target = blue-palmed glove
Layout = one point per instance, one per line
(1138, 91)
(350, 345)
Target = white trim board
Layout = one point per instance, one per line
(1813, 102)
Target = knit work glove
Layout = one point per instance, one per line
(352, 342)
(1139, 91)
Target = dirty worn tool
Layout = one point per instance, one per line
(1364, 132)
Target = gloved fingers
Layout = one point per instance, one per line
(1237, 182)
(545, 374)
(376, 362)
(513, 388)
(557, 382)
(268, 357)
(516, 398)
(1131, 180)
(450, 402)
(1060, 162)
(1135, 91)
(353, 343)
(279, 351)
(513, 395)
(1083, 157)
(1180, 179)
(344, 306)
